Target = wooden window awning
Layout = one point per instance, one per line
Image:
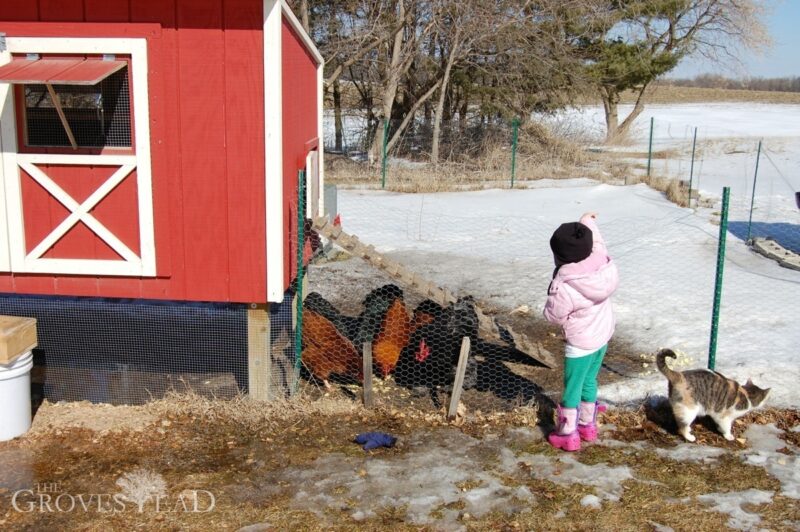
(59, 71)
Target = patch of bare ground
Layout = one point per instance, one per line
(239, 451)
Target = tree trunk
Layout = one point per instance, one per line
(337, 114)
(638, 107)
(610, 102)
(392, 80)
(413, 111)
(437, 118)
(304, 16)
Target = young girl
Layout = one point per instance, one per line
(578, 301)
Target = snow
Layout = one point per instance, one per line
(726, 150)
(494, 244)
(566, 471)
(686, 452)
(430, 477)
(764, 444)
(441, 479)
(731, 504)
(592, 501)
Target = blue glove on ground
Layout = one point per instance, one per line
(371, 440)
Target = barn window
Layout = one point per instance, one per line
(73, 103)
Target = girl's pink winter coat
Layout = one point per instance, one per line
(578, 297)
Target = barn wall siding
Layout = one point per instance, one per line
(299, 128)
(206, 118)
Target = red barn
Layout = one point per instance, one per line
(151, 148)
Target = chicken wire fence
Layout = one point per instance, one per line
(500, 265)
(132, 351)
(704, 158)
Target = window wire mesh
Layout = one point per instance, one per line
(99, 115)
(132, 351)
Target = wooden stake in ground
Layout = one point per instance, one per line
(458, 384)
(367, 388)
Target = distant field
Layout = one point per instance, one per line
(671, 94)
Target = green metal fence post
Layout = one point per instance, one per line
(650, 146)
(383, 151)
(301, 218)
(515, 124)
(723, 231)
(753, 198)
(691, 167)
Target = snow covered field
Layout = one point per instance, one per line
(494, 244)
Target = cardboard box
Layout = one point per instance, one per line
(17, 337)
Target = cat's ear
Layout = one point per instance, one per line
(749, 382)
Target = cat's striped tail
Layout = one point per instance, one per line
(661, 363)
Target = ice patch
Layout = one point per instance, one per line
(661, 528)
(592, 501)
(764, 444)
(686, 452)
(731, 504)
(566, 471)
(435, 471)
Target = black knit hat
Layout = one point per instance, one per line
(571, 242)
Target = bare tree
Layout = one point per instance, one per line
(643, 39)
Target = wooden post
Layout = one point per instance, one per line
(61, 115)
(368, 400)
(259, 363)
(459, 380)
(17, 337)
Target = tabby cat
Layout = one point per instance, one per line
(702, 392)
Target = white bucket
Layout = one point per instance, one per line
(15, 397)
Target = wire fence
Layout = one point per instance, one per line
(489, 249)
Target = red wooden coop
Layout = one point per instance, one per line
(150, 150)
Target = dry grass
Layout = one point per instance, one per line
(664, 94)
(206, 444)
(676, 191)
(540, 155)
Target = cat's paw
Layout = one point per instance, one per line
(728, 436)
(689, 437)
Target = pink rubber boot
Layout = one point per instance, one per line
(566, 436)
(587, 420)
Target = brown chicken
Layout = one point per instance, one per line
(327, 352)
(392, 338)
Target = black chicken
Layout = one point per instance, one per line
(431, 356)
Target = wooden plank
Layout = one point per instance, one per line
(244, 133)
(13, 10)
(367, 364)
(17, 337)
(258, 353)
(165, 133)
(60, 111)
(201, 72)
(61, 10)
(458, 384)
(105, 11)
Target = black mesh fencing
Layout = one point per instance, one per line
(132, 351)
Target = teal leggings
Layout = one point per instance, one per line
(580, 378)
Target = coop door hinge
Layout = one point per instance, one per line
(2, 42)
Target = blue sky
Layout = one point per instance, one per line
(782, 60)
